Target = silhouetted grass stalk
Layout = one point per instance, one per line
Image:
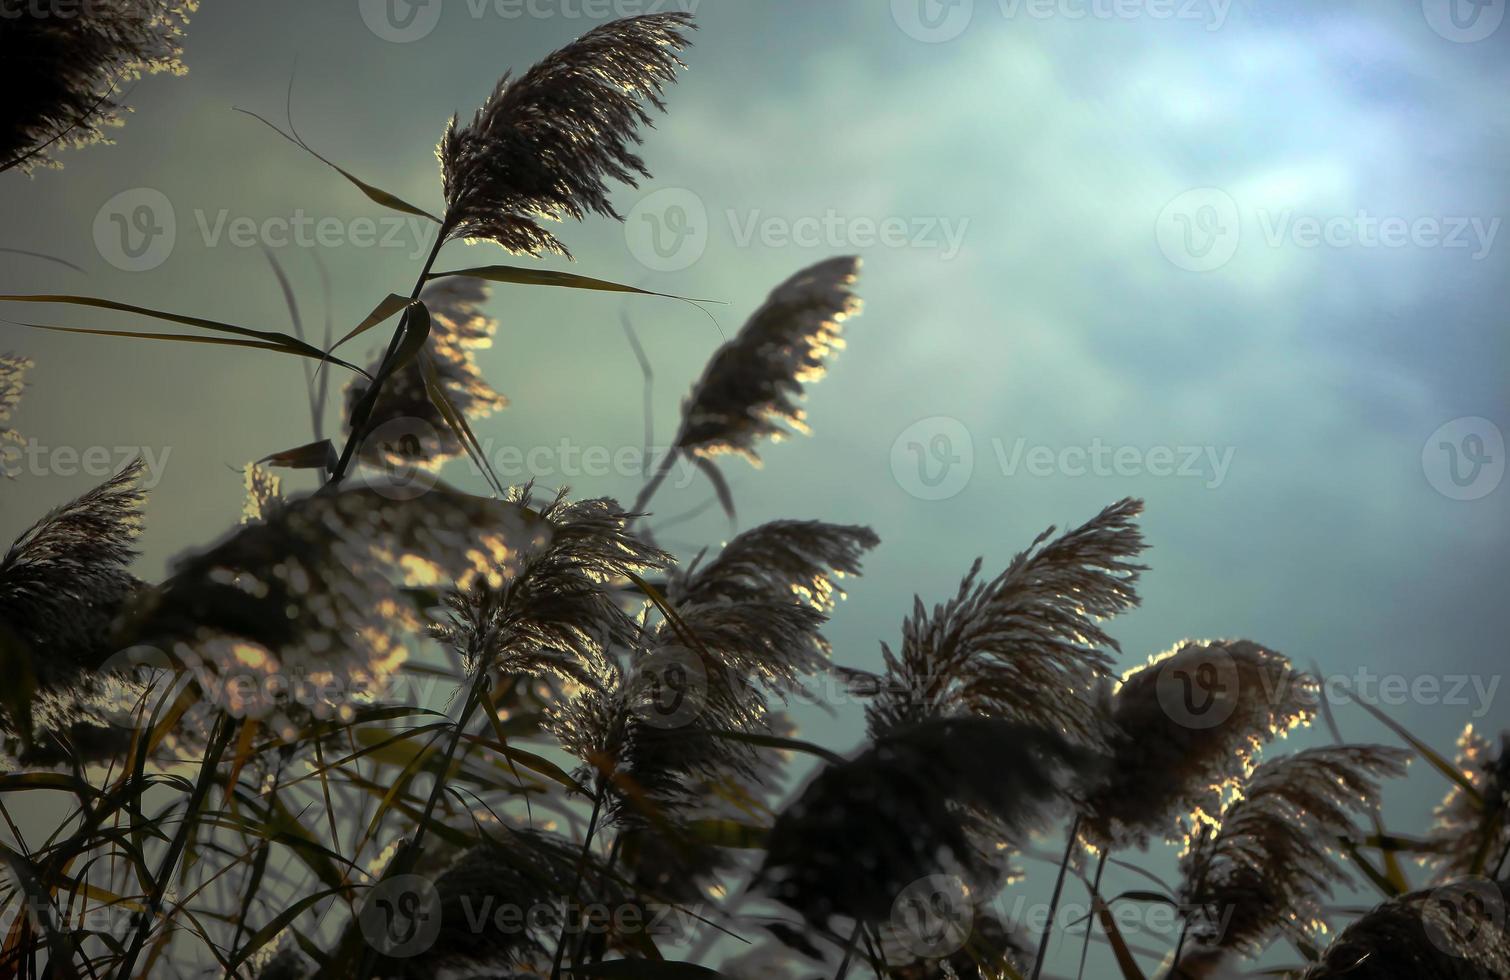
(1048, 926)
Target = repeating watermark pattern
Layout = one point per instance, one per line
(401, 916)
(670, 229)
(1201, 230)
(55, 9)
(938, 21)
(138, 230)
(669, 688)
(1202, 698)
(99, 462)
(406, 21)
(1464, 21)
(1206, 697)
(1464, 916)
(1465, 459)
(396, 451)
(933, 916)
(935, 459)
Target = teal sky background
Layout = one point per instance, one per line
(1173, 232)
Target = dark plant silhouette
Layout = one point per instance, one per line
(63, 64)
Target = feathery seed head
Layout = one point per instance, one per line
(750, 388)
(61, 63)
(545, 146)
(1187, 726)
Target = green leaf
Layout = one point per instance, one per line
(280, 341)
(1427, 752)
(314, 456)
(375, 194)
(520, 276)
(392, 305)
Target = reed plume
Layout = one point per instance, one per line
(458, 328)
(13, 371)
(557, 619)
(62, 63)
(65, 579)
(750, 388)
(1026, 646)
(313, 593)
(940, 797)
(1264, 868)
(1471, 836)
(545, 146)
(1170, 761)
(1441, 934)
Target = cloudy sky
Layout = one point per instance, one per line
(1244, 260)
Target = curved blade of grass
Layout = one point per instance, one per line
(1393, 872)
(1427, 752)
(1125, 961)
(391, 306)
(522, 276)
(779, 742)
(458, 424)
(283, 340)
(279, 922)
(720, 486)
(314, 456)
(187, 339)
(375, 194)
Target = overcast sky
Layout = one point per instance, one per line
(1243, 260)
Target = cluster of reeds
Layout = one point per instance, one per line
(252, 783)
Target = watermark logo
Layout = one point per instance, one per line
(400, 917)
(933, 458)
(151, 683)
(398, 450)
(667, 231)
(933, 21)
(400, 21)
(135, 230)
(1201, 696)
(669, 688)
(1464, 21)
(933, 916)
(1464, 916)
(1465, 458)
(1200, 230)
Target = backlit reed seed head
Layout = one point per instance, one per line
(797, 560)
(1168, 764)
(264, 489)
(12, 385)
(458, 328)
(558, 617)
(66, 577)
(1264, 869)
(310, 599)
(1469, 837)
(62, 64)
(1425, 935)
(1026, 646)
(751, 386)
(546, 146)
(943, 797)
